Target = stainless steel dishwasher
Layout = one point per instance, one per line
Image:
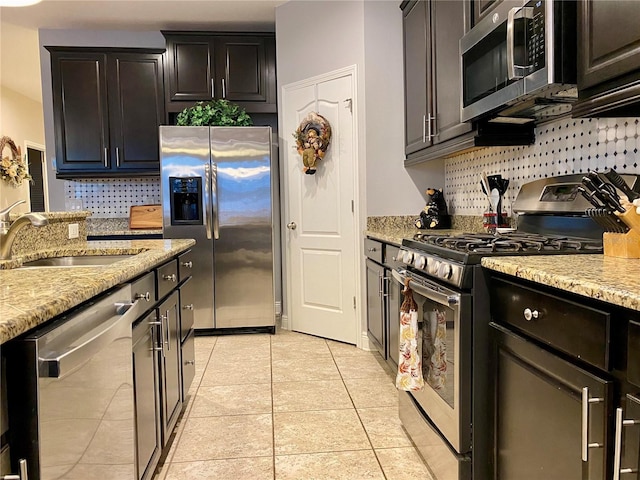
(71, 392)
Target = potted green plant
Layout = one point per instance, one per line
(214, 113)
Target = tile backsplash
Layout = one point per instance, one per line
(111, 197)
(561, 147)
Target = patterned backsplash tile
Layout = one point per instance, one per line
(111, 197)
(562, 147)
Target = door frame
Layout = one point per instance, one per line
(45, 177)
(362, 340)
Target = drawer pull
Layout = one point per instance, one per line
(171, 278)
(586, 402)
(190, 362)
(188, 307)
(372, 249)
(188, 264)
(143, 296)
(529, 314)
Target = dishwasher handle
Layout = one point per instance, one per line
(60, 364)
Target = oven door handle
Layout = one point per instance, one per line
(429, 290)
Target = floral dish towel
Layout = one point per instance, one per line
(409, 364)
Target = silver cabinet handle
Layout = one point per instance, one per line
(292, 225)
(170, 278)
(143, 296)
(385, 291)
(168, 326)
(188, 306)
(586, 401)
(213, 88)
(372, 249)
(187, 264)
(106, 157)
(190, 362)
(380, 276)
(430, 134)
(424, 128)
(530, 314)
(617, 455)
(23, 472)
(117, 156)
(224, 88)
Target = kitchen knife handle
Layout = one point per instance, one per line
(619, 182)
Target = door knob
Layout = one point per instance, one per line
(291, 225)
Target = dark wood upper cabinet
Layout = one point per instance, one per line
(237, 67)
(107, 107)
(608, 58)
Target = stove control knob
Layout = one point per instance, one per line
(433, 267)
(420, 262)
(408, 257)
(445, 270)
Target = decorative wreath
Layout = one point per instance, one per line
(312, 140)
(13, 169)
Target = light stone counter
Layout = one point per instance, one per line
(608, 279)
(31, 296)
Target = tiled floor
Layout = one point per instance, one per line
(290, 407)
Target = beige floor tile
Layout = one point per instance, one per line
(362, 366)
(310, 395)
(402, 464)
(355, 465)
(295, 369)
(259, 468)
(372, 392)
(287, 336)
(384, 427)
(340, 349)
(249, 339)
(211, 438)
(318, 431)
(285, 350)
(227, 372)
(232, 400)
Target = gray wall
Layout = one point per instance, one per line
(77, 38)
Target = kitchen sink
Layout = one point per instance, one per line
(77, 261)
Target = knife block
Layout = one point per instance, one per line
(624, 245)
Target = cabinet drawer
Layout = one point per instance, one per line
(391, 254)
(633, 357)
(373, 249)
(187, 295)
(573, 328)
(185, 265)
(144, 290)
(167, 278)
(188, 363)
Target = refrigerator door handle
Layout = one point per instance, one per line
(215, 204)
(207, 201)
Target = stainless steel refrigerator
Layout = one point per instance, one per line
(216, 185)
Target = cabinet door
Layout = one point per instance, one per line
(190, 68)
(394, 301)
(187, 302)
(481, 8)
(448, 27)
(136, 109)
(241, 68)
(628, 438)
(81, 116)
(417, 77)
(539, 408)
(170, 363)
(375, 306)
(147, 397)
(604, 56)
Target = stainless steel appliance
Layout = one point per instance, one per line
(447, 419)
(216, 187)
(519, 63)
(71, 385)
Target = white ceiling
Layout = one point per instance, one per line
(19, 63)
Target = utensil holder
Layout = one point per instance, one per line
(624, 245)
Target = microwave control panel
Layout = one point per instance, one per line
(536, 35)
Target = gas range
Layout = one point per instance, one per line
(447, 257)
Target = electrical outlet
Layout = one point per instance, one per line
(74, 231)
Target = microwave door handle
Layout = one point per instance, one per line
(515, 13)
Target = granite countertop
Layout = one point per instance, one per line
(31, 296)
(395, 235)
(608, 279)
(104, 227)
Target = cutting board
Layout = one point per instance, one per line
(147, 217)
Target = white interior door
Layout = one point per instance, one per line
(321, 248)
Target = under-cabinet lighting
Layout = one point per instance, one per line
(18, 3)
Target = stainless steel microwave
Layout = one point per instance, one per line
(519, 62)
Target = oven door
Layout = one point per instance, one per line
(444, 318)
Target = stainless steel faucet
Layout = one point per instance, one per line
(9, 230)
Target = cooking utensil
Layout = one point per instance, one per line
(484, 183)
(619, 182)
(494, 198)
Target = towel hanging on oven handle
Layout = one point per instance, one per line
(409, 375)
